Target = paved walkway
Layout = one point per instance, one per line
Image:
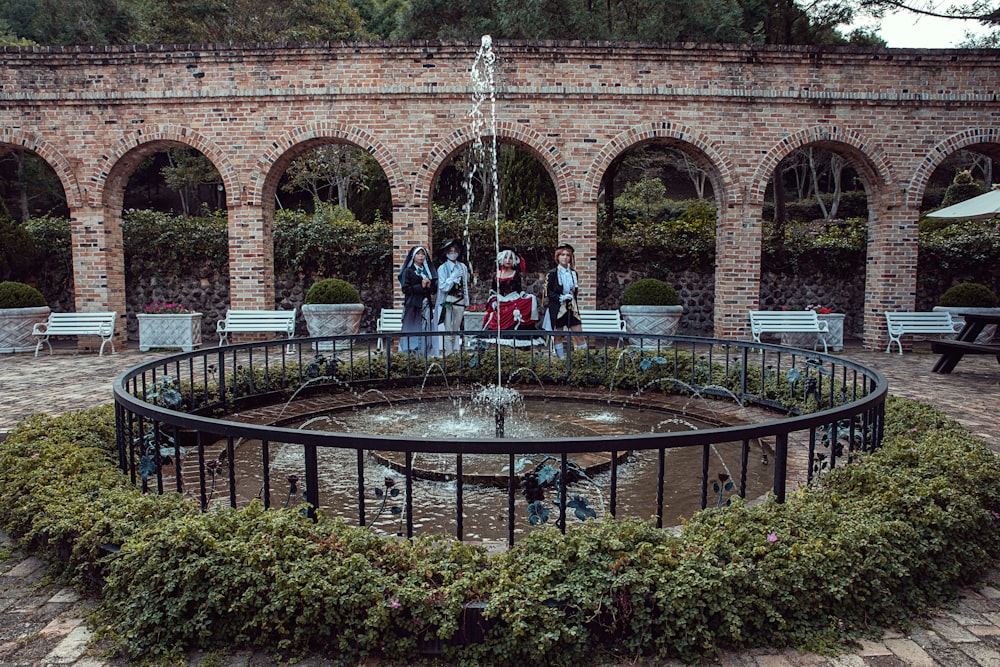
(41, 624)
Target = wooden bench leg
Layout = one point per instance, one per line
(947, 362)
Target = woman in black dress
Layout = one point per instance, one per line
(561, 287)
(419, 281)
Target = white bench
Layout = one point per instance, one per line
(602, 321)
(256, 321)
(390, 320)
(76, 324)
(788, 321)
(903, 323)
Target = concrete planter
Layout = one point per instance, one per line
(987, 334)
(834, 340)
(175, 330)
(472, 321)
(652, 320)
(332, 319)
(16, 325)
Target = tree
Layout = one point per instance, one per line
(332, 169)
(247, 21)
(65, 22)
(187, 169)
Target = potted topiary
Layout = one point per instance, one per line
(332, 307)
(970, 297)
(651, 306)
(21, 307)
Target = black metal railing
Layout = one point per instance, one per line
(184, 422)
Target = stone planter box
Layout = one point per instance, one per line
(179, 330)
(472, 321)
(332, 319)
(653, 320)
(989, 331)
(16, 325)
(834, 339)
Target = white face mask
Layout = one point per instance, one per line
(453, 256)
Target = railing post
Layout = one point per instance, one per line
(780, 465)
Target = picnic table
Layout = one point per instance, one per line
(952, 351)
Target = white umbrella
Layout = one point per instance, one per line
(984, 206)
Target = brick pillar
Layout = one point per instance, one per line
(411, 226)
(737, 270)
(251, 258)
(578, 227)
(891, 270)
(98, 268)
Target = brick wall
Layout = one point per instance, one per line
(96, 113)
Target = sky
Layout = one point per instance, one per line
(906, 30)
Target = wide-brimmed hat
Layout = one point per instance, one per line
(567, 246)
(452, 243)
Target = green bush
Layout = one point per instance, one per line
(868, 546)
(968, 295)
(19, 295)
(332, 290)
(650, 292)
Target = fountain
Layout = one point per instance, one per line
(416, 448)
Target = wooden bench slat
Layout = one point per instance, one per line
(900, 323)
(76, 324)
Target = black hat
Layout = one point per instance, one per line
(451, 242)
(567, 246)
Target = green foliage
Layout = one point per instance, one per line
(962, 187)
(878, 541)
(533, 235)
(171, 246)
(649, 292)
(970, 295)
(332, 290)
(19, 295)
(331, 241)
(964, 252)
(249, 21)
(17, 252)
(687, 241)
(836, 249)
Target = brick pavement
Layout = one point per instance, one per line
(42, 624)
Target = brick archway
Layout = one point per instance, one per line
(974, 136)
(576, 105)
(55, 159)
(110, 169)
(545, 151)
(720, 168)
(272, 164)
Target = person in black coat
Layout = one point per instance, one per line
(419, 281)
(561, 288)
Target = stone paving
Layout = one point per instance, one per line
(42, 624)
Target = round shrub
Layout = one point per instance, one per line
(19, 295)
(968, 295)
(332, 290)
(650, 292)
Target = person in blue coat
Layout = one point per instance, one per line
(452, 295)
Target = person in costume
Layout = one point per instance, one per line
(452, 294)
(509, 307)
(419, 282)
(561, 288)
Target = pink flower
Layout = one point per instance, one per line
(772, 537)
(394, 603)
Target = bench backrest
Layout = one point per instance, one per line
(390, 320)
(81, 324)
(249, 321)
(602, 321)
(784, 321)
(920, 322)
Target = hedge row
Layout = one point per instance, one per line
(877, 542)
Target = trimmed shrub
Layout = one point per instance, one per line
(19, 295)
(650, 292)
(968, 295)
(332, 290)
